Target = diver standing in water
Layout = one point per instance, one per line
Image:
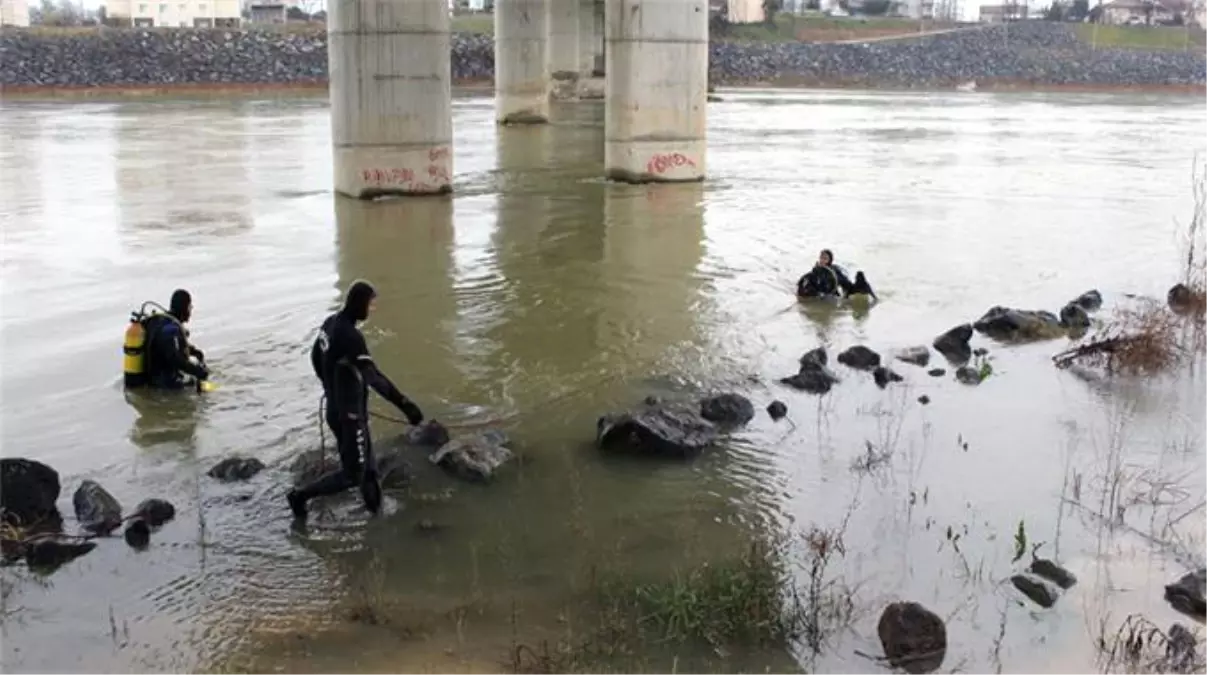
(158, 351)
(342, 362)
(829, 280)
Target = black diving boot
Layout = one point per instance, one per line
(297, 504)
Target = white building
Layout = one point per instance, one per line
(14, 13)
(176, 13)
(746, 11)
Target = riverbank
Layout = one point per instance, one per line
(1035, 55)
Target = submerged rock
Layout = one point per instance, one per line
(98, 511)
(924, 399)
(937, 372)
(918, 356)
(913, 637)
(813, 377)
(236, 468)
(429, 434)
(1074, 317)
(1180, 298)
(1042, 567)
(475, 457)
(657, 430)
(883, 376)
(859, 358)
(1034, 588)
(393, 471)
(968, 375)
(28, 492)
(1089, 301)
(50, 552)
(727, 409)
(1186, 594)
(1014, 325)
(155, 512)
(953, 344)
(814, 357)
(777, 410)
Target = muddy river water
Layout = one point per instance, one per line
(539, 297)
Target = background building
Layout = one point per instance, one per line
(14, 13)
(187, 13)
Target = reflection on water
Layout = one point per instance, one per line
(538, 297)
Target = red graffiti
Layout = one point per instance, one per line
(661, 163)
(388, 176)
(437, 153)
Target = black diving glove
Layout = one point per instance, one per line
(196, 353)
(413, 413)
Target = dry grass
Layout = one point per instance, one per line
(1139, 646)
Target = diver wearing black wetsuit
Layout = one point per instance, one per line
(828, 280)
(342, 362)
(169, 354)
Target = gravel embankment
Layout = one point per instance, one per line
(1033, 53)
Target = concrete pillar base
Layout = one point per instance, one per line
(656, 109)
(592, 89)
(521, 68)
(564, 86)
(391, 97)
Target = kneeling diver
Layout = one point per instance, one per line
(157, 350)
(829, 280)
(342, 362)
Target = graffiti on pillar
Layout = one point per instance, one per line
(659, 164)
(437, 153)
(388, 176)
(405, 179)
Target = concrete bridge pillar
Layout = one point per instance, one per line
(521, 67)
(391, 97)
(563, 47)
(657, 90)
(590, 38)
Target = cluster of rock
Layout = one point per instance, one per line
(29, 492)
(1029, 52)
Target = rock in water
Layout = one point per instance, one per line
(155, 512)
(913, 637)
(475, 457)
(1042, 567)
(1089, 301)
(953, 344)
(777, 410)
(1016, 325)
(138, 533)
(48, 553)
(429, 434)
(924, 399)
(1180, 298)
(814, 357)
(1073, 317)
(937, 372)
(883, 376)
(1186, 594)
(1040, 593)
(393, 471)
(98, 511)
(813, 377)
(859, 358)
(918, 356)
(968, 375)
(727, 409)
(28, 492)
(657, 430)
(236, 468)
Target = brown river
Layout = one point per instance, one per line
(539, 297)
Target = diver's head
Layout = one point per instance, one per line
(826, 258)
(358, 304)
(181, 305)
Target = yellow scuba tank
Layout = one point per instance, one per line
(135, 362)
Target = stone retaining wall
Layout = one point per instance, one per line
(1036, 53)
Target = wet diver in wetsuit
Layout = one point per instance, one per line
(828, 280)
(170, 356)
(342, 362)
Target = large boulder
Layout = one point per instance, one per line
(475, 457)
(727, 409)
(883, 376)
(813, 377)
(859, 358)
(1018, 325)
(1089, 301)
(28, 492)
(235, 469)
(953, 344)
(1074, 317)
(155, 512)
(98, 511)
(428, 434)
(913, 637)
(657, 430)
